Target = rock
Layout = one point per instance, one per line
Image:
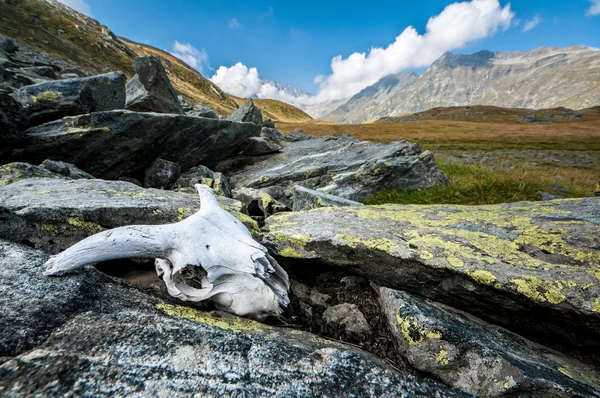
(203, 111)
(247, 113)
(161, 174)
(531, 267)
(549, 196)
(256, 146)
(17, 171)
(272, 135)
(298, 130)
(123, 143)
(479, 358)
(343, 167)
(295, 137)
(65, 169)
(52, 215)
(347, 320)
(269, 123)
(530, 118)
(131, 180)
(307, 199)
(310, 296)
(69, 76)
(259, 202)
(186, 106)
(150, 89)
(90, 334)
(203, 175)
(53, 100)
(351, 283)
(13, 122)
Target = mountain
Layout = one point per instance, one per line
(546, 77)
(286, 88)
(52, 27)
(366, 102)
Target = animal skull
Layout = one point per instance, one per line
(208, 256)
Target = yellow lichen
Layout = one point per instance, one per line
(86, 226)
(539, 290)
(596, 305)
(481, 276)
(234, 324)
(289, 252)
(46, 95)
(442, 357)
(414, 333)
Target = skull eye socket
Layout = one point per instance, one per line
(192, 275)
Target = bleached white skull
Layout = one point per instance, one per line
(210, 255)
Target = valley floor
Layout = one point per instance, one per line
(490, 162)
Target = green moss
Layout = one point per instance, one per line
(234, 324)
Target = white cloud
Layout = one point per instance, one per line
(234, 24)
(595, 8)
(535, 21)
(190, 55)
(78, 5)
(456, 26)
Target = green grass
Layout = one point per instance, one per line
(473, 185)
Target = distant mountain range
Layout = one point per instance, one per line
(286, 88)
(546, 77)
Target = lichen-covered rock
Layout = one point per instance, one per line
(66, 169)
(161, 174)
(13, 123)
(340, 165)
(90, 334)
(532, 267)
(52, 214)
(55, 99)
(203, 175)
(150, 89)
(17, 171)
(480, 358)
(256, 146)
(347, 320)
(247, 113)
(259, 202)
(124, 143)
(307, 199)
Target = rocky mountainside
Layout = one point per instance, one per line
(54, 28)
(546, 77)
(286, 88)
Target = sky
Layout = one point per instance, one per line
(334, 49)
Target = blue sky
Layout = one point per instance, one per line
(294, 42)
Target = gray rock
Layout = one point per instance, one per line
(295, 137)
(259, 202)
(549, 196)
(89, 334)
(256, 146)
(13, 122)
(307, 199)
(66, 169)
(52, 215)
(13, 172)
(131, 180)
(269, 123)
(203, 111)
(161, 174)
(185, 106)
(53, 100)
(203, 175)
(247, 113)
(123, 143)
(479, 358)
(150, 89)
(531, 267)
(341, 166)
(313, 298)
(347, 320)
(272, 134)
(69, 76)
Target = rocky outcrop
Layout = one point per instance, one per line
(307, 199)
(531, 267)
(338, 165)
(203, 175)
(259, 202)
(203, 111)
(161, 174)
(482, 359)
(150, 89)
(247, 113)
(123, 143)
(52, 215)
(65, 169)
(17, 171)
(13, 122)
(53, 100)
(92, 334)
(256, 146)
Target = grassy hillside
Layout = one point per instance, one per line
(52, 27)
(278, 111)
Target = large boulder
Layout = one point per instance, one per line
(52, 215)
(122, 143)
(150, 89)
(65, 169)
(307, 199)
(13, 172)
(247, 113)
(13, 122)
(161, 174)
(339, 165)
(480, 358)
(53, 100)
(90, 334)
(532, 267)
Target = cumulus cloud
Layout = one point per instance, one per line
(456, 26)
(234, 24)
(195, 58)
(78, 5)
(595, 8)
(535, 21)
